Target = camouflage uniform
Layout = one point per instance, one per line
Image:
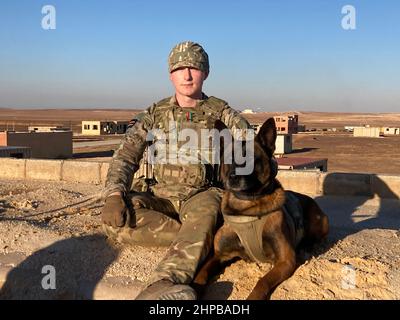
(182, 207)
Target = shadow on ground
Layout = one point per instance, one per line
(351, 214)
(79, 264)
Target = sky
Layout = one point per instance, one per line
(270, 55)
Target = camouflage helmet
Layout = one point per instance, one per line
(188, 54)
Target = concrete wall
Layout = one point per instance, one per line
(283, 144)
(12, 168)
(44, 145)
(366, 132)
(15, 152)
(312, 183)
(56, 170)
(341, 184)
(91, 131)
(3, 138)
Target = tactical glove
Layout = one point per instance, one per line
(115, 211)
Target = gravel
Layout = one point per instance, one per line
(360, 260)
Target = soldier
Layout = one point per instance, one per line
(180, 209)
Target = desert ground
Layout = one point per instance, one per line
(21, 118)
(359, 260)
(344, 152)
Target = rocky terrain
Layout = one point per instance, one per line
(360, 259)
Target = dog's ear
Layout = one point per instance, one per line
(266, 137)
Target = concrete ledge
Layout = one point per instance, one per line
(103, 172)
(117, 288)
(300, 181)
(309, 182)
(350, 184)
(386, 186)
(4, 271)
(12, 168)
(80, 171)
(43, 170)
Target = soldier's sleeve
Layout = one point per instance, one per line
(126, 158)
(233, 120)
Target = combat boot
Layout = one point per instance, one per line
(167, 290)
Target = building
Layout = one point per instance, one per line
(43, 145)
(248, 111)
(390, 131)
(285, 163)
(285, 127)
(372, 132)
(96, 128)
(301, 128)
(255, 127)
(15, 152)
(46, 129)
(287, 124)
(283, 144)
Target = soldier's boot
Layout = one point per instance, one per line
(167, 290)
(152, 228)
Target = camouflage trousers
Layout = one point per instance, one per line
(188, 229)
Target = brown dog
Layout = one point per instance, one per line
(262, 222)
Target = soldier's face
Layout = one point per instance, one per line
(188, 81)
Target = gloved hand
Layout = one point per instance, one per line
(115, 211)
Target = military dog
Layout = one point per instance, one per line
(262, 221)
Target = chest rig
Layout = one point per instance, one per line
(249, 229)
(182, 148)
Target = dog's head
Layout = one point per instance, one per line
(264, 164)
